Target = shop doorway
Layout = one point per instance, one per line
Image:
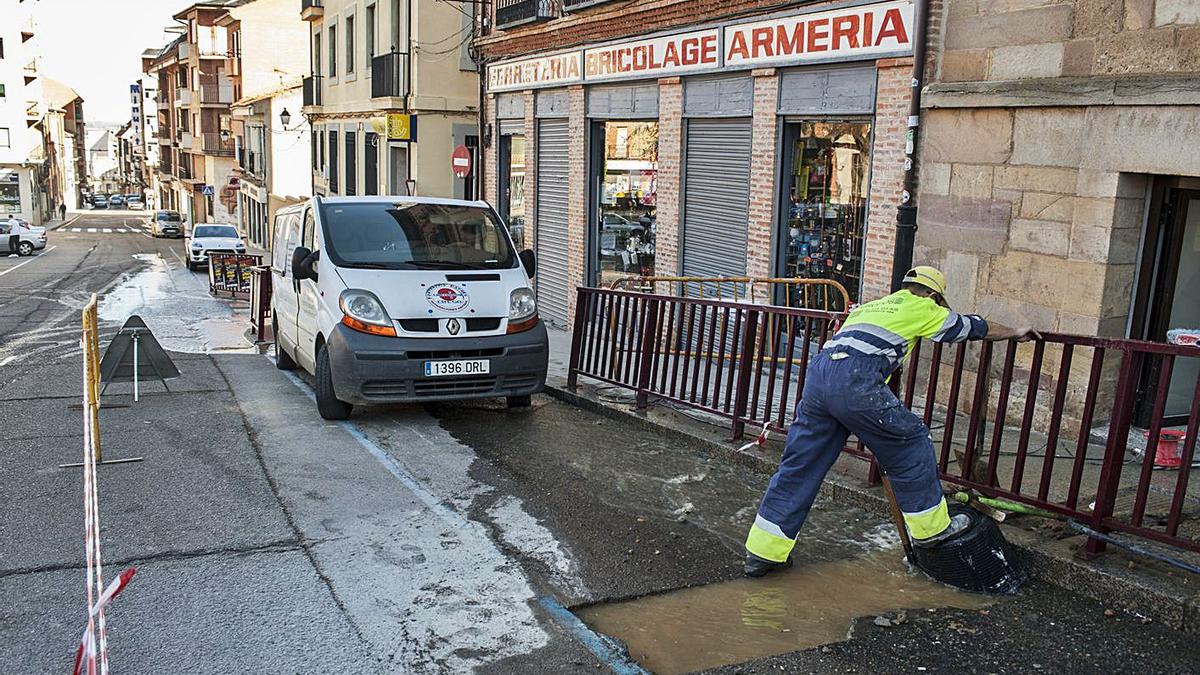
(398, 170)
(512, 186)
(826, 179)
(624, 197)
(1168, 293)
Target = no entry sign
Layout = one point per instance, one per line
(460, 161)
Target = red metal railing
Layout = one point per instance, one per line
(1045, 423)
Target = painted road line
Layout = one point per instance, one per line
(20, 265)
(107, 230)
(91, 229)
(597, 644)
(176, 255)
(7, 361)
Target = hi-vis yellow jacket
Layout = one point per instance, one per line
(891, 325)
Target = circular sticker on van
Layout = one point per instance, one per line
(447, 297)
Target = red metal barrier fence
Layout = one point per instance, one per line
(1047, 424)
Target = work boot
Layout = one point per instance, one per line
(757, 567)
(960, 523)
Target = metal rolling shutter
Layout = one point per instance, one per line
(716, 197)
(553, 181)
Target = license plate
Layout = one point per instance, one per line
(444, 368)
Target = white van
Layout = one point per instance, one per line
(388, 299)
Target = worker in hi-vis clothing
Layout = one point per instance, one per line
(846, 392)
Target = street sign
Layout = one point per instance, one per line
(207, 191)
(460, 161)
(401, 127)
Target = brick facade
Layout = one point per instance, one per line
(764, 176)
(763, 227)
(670, 182)
(892, 90)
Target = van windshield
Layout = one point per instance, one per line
(414, 236)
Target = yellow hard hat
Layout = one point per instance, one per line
(929, 277)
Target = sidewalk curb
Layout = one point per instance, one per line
(65, 223)
(1106, 579)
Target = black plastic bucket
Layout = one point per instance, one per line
(979, 560)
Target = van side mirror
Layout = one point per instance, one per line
(529, 260)
(303, 261)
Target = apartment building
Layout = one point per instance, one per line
(392, 91)
(22, 159)
(273, 158)
(272, 145)
(63, 134)
(225, 45)
(144, 115)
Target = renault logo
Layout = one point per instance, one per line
(453, 326)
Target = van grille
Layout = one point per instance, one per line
(473, 385)
(431, 325)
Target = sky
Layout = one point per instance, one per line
(95, 48)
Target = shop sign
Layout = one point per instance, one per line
(842, 33)
(539, 71)
(669, 55)
(401, 127)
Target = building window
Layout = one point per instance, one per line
(5, 138)
(351, 163)
(333, 162)
(333, 51)
(370, 37)
(1, 90)
(628, 198)
(397, 14)
(827, 181)
(1, 48)
(350, 45)
(316, 69)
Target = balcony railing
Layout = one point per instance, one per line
(213, 144)
(511, 13)
(216, 94)
(185, 140)
(183, 96)
(314, 90)
(311, 10)
(166, 167)
(389, 75)
(184, 169)
(573, 5)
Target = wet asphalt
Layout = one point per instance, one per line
(413, 539)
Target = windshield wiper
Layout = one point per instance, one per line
(372, 266)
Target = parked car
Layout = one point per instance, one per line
(99, 202)
(211, 238)
(166, 224)
(134, 203)
(32, 238)
(115, 201)
(387, 299)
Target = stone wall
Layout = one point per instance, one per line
(1022, 39)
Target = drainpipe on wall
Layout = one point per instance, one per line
(906, 213)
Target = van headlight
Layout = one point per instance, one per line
(521, 304)
(363, 312)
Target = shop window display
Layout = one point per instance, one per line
(628, 191)
(827, 211)
(514, 195)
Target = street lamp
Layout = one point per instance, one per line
(285, 117)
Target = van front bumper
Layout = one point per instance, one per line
(371, 369)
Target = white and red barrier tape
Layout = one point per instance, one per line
(757, 442)
(91, 657)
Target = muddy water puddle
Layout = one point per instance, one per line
(736, 621)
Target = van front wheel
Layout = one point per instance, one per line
(520, 401)
(327, 403)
